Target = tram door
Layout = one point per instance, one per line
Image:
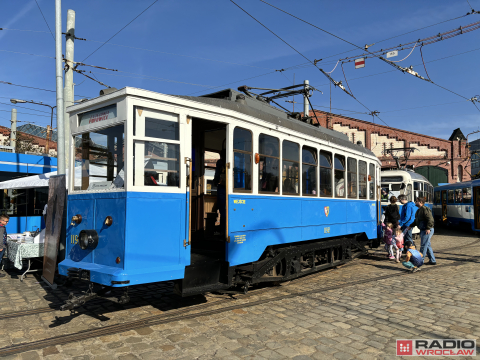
(444, 205)
(476, 206)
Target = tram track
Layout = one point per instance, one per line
(192, 313)
(139, 293)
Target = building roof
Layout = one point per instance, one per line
(36, 130)
(36, 140)
(457, 135)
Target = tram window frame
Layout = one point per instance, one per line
(103, 140)
(244, 152)
(458, 196)
(352, 184)
(371, 183)
(306, 166)
(362, 183)
(326, 173)
(438, 197)
(337, 171)
(467, 199)
(143, 137)
(451, 196)
(265, 156)
(284, 169)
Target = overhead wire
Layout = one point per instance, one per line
(406, 57)
(323, 30)
(24, 107)
(120, 30)
(41, 12)
(35, 88)
(339, 84)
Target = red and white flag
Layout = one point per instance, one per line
(359, 63)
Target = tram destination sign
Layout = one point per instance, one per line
(98, 115)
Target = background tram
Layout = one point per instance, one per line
(458, 204)
(405, 182)
(299, 198)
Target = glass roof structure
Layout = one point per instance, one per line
(36, 130)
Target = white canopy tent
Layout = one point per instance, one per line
(42, 179)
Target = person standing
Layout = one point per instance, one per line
(424, 221)
(4, 219)
(407, 216)
(391, 212)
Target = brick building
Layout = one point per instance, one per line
(439, 160)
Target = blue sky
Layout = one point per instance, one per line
(196, 47)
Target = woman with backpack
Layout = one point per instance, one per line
(424, 221)
(391, 212)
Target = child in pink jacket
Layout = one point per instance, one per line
(388, 239)
(397, 243)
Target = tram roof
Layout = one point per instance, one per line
(262, 110)
(413, 174)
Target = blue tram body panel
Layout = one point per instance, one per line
(149, 246)
(256, 222)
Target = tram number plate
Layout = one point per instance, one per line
(326, 230)
(73, 239)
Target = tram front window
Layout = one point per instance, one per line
(99, 159)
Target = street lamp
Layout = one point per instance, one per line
(18, 101)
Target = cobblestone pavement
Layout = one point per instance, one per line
(352, 321)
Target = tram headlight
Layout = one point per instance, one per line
(88, 239)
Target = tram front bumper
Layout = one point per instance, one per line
(115, 277)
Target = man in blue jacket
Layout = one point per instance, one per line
(407, 216)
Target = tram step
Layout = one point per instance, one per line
(203, 276)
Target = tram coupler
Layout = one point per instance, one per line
(75, 301)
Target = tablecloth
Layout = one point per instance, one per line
(16, 252)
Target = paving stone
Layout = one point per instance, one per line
(31, 355)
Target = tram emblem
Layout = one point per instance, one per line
(327, 210)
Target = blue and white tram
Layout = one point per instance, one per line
(458, 204)
(299, 198)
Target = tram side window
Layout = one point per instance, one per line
(242, 159)
(467, 195)
(325, 174)
(451, 196)
(268, 165)
(309, 171)
(101, 155)
(290, 167)
(362, 179)
(458, 196)
(438, 197)
(352, 177)
(161, 163)
(371, 172)
(339, 176)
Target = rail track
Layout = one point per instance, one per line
(140, 293)
(190, 313)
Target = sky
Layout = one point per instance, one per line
(189, 47)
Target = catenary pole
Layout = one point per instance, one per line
(13, 130)
(305, 99)
(68, 90)
(59, 81)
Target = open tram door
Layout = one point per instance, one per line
(444, 205)
(206, 194)
(476, 206)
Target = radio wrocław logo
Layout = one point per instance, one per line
(437, 347)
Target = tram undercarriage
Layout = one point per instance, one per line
(277, 264)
